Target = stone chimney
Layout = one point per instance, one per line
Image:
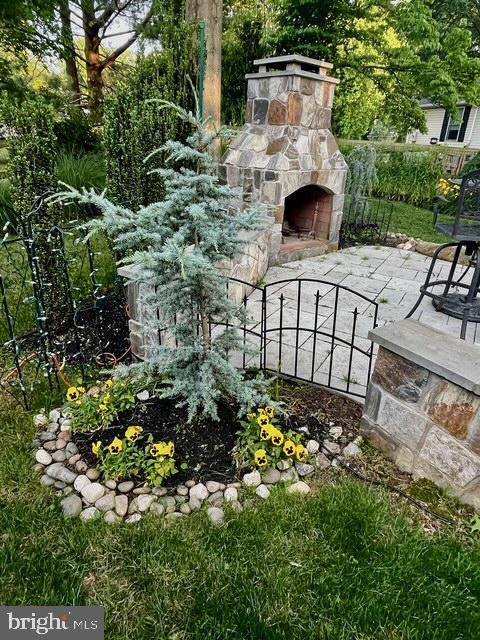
(286, 154)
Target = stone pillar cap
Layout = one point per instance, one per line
(449, 357)
(294, 58)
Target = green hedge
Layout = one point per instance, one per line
(407, 175)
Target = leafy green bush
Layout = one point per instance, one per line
(135, 126)
(472, 165)
(411, 177)
(7, 212)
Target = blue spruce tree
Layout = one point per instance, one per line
(176, 247)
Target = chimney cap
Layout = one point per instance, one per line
(322, 64)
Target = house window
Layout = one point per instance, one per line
(453, 128)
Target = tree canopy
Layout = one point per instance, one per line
(388, 54)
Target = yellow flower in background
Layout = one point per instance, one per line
(102, 407)
(266, 432)
(277, 437)
(81, 389)
(289, 448)
(261, 458)
(109, 384)
(263, 420)
(270, 412)
(251, 416)
(133, 433)
(162, 449)
(73, 393)
(115, 447)
(106, 398)
(261, 411)
(301, 453)
(97, 447)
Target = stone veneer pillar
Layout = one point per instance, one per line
(422, 406)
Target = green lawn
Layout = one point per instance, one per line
(413, 221)
(348, 563)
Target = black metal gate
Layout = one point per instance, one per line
(310, 330)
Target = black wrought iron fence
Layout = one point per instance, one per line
(36, 352)
(307, 329)
(365, 221)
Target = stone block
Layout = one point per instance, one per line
(249, 111)
(400, 377)
(372, 401)
(295, 107)
(376, 436)
(401, 422)
(277, 145)
(233, 175)
(260, 108)
(452, 407)
(404, 458)
(277, 113)
(445, 454)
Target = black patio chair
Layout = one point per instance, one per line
(455, 295)
(465, 213)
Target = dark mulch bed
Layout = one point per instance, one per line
(207, 446)
(95, 330)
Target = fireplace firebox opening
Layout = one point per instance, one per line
(307, 213)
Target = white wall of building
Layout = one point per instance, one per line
(435, 116)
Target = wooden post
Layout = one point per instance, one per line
(211, 12)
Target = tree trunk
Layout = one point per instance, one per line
(69, 53)
(204, 319)
(94, 65)
(211, 12)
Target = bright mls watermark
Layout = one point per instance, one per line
(60, 623)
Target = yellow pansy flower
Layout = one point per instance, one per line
(102, 407)
(277, 437)
(270, 412)
(263, 420)
(97, 447)
(261, 458)
(266, 432)
(81, 389)
(162, 449)
(289, 448)
(73, 393)
(115, 447)
(109, 384)
(301, 453)
(133, 433)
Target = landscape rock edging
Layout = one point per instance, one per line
(84, 495)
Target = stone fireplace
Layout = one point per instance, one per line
(286, 155)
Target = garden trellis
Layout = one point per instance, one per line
(34, 354)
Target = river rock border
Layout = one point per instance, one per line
(83, 495)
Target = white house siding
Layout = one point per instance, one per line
(435, 117)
